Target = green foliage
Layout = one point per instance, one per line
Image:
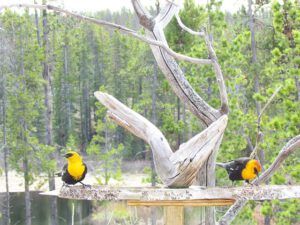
(245, 216)
(85, 57)
(102, 148)
(71, 143)
(148, 179)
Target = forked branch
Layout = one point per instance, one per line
(216, 65)
(177, 169)
(172, 71)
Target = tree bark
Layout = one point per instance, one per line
(27, 192)
(178, 120)
(176, 169)
(23, 140)
(297, 82)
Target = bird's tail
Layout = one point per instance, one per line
(223, 165)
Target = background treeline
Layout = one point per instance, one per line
(54, 58)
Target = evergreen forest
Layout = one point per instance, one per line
(51, 65)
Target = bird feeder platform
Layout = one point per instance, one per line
(173, 201)
(192, 196)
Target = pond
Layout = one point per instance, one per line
(90, 212)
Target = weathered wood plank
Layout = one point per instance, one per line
(267, 192)
(173, 215)
(196, 202)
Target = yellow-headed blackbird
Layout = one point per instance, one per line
(75, 170)
(242, 169)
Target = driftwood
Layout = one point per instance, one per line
(170, 68)
(176, 169)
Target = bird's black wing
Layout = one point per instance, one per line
(235, 168)
(65, 167)
(235, 165)
(242, 160)
(66, 177)
(61, 173)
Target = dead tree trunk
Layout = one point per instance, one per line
(27, 192)
(182, 88)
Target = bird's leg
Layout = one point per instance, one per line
(247, 182)
(85, 185)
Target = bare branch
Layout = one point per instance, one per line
(217, 68)
(268, 102)
(142, 128)
(288, 149)
(114, 26)
(187, 29)
(171, 69)
(177, 169)
(166, 14)
(219, 75)
(259, 133)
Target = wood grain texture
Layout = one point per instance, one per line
(189, 203)
(177, 169)
(173, 215)
(194, 193)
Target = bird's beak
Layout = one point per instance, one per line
(67, 155)
(256, 172)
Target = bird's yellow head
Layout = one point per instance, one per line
(73, 157)
(251, 170)
(255, 165)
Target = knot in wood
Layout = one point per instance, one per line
(147, 22)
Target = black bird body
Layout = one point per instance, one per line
(75, 170)
(67, 177)
(241, 169)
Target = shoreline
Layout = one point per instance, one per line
(16, 182)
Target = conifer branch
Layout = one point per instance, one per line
(113, 26)
(259, 133)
